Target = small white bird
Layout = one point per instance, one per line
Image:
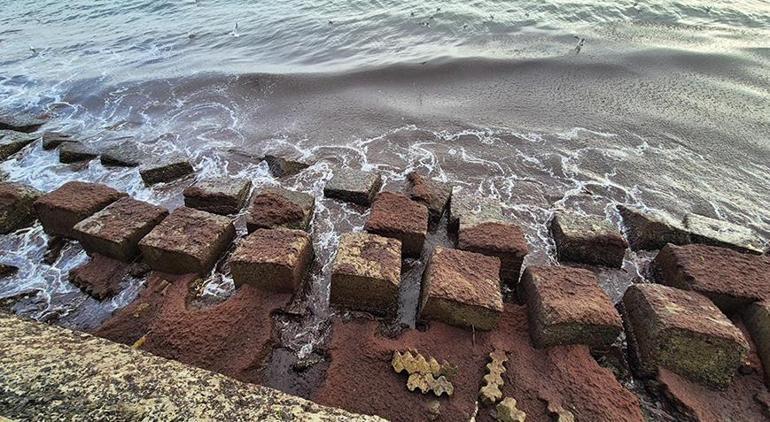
(235, 30)
(32, 49)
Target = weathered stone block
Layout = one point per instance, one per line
(757, 319)
(12, 142)
(730, 279)
(651, 230)
(116, 230)
(125, 154)
(395, 215)
(277, 207)
(100, 277)
(16, 202)
(683, 332)
(366, 273)
(165, 169)
(272, 259)
(723, 233)
(588, 240)
(356, 186)
(221, 195)
(471, 209)
(496, 238)
(52, 140)
(72, 203)
(75, 152)
(462, 288)
(187, 241)
(567, 306)
(282, 167)
(432, 193)
(20, 122)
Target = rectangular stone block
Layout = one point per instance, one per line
(496, 238)
(757, 319)
(116, 230)
(587, 239)
(714, 232)
(432, 193)
(730, 279)
(272, 259)
(100, 277)
(12, 142)
(164, 169)
(187, 241)
(276, 207)
(221, 195)
(52, 140)
(471, 209)
(72, 203)
(356, 186)
(567, 306)
(683, 332)
(651, 230)
(16, 202)
(395, 215)
(462, 288)
(366, 273)
(76, 152)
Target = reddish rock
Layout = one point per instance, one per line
(116, 230)
(52, 140)
(684, 332)
(366, 273)
(356, 186)
(567, 306)
(16, 202)
(462, 288)
(587, 240)
(187, 241)
(277, 207)
(164, 169)
(12, 142)
(395, 215)
(729, 278)
(75, 152)
(757, 319)
(497, 238)
(432, 193)
(100, 277)
(651, 230)
(272, 259)
(222, 195)
(72, 203)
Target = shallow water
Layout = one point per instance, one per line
(664, 105)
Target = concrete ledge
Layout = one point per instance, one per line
(51, 373)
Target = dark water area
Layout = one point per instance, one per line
(542, 104)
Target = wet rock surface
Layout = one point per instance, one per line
(463, 289)
(587, 239)
(272, 259)
(395, 215)
(432, 193)
(499, 239)
(116, 230)
(16, 210)
(471, 209)
(187, 241)
(12, 142)
(20, 122)
(52, 140)
(75, 152)
(757, 320)
(7, 270)
(684, 332)
(649, 230)
(278, 207)
(366, 273)
(221, 195)
(72, 203)
(730, 279)
(356, 186)
(283, 167)
(124, 154)
(714, 232)
(100, 277)
(567, 306)
(164, 169)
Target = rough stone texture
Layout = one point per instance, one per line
(730, 279)
(490, 392)
(471, 209)
(395, 215)
(282, 167)
(587, 240)
(52, 140)
(166, 168)
(20, 122)
(432, 193)
(651, 230)
(757, 320)
(496, 238)
(72, 203)
(141, 386)
(277, 207)
(16, 202)
(272, 259)
(75, 152)
(356, 186)
(116, 230)
(508, 412)
(187, 241)
(567, 306)
(366, 273)
(13, 142)
(100, 277)
(723, 233)
(125, 154)
(222, 195)
(462, 288)
(683, 332)
(8, 270)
